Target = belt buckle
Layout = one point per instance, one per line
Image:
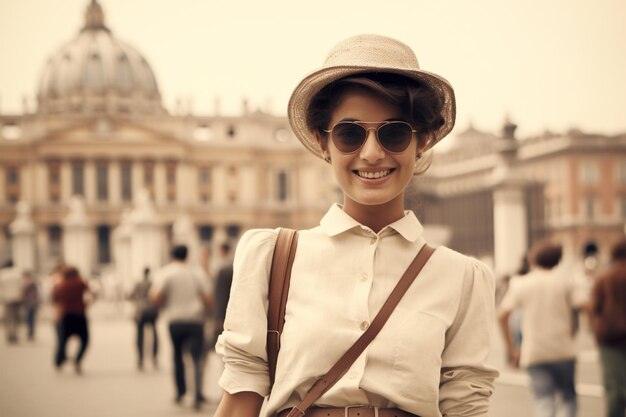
(347, 409)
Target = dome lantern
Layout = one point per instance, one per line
(94, 17)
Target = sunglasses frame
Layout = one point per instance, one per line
(360, 123)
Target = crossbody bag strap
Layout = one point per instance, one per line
(343, 364)
(280, 274)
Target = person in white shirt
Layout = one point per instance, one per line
(373, 116)
(546, 297)
(11, 295)
(184, 294)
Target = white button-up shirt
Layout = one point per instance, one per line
(429, 359)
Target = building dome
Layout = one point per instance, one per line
(98, 73)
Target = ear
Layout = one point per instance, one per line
(322, 142)
(422, 144)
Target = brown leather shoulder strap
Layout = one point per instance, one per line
(341, 367)
(280, 274)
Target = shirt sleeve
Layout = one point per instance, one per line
(466, 381)
(242, 343)
(581, 287)
(510, 301)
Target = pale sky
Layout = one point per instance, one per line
(548, 64)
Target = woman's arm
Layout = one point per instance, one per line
(466, 378)
(241, 404)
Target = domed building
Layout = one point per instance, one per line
(98, 73)
(106, 178)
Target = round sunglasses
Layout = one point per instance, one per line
(393, 136)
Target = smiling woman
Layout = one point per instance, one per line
(372, 114)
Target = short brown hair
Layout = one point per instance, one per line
(421, 104)
(547, 255)
(71, 272)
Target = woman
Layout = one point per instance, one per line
(69, 297)
(372, 114)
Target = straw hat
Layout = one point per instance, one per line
(360, 54)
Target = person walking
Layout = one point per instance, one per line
(546, 298)
(146, 315)
(223, 282)
(11, 284)
(184, 294)
(31, 303)
(373, 116)
(608, 321)
(71, 296)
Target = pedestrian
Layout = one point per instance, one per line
(184, 293)
(223, 282)
(373, 116)
(31, 303)
(71, 296)
(545, 297)
(146, 315)
(11, 283)
(515, 319)
(608, 321)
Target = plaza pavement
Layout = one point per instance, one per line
(111, 386)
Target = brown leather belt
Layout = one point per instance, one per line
(355, 411)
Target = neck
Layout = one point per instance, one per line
(376, 217)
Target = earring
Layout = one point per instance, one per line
(418, 156)
(327, 158)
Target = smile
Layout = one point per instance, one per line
(373, 175)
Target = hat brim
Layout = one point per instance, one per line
(315, 81)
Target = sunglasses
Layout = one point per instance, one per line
(393, 136)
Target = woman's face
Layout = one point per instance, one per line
(370, 177)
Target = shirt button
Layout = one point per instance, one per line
(364, 276)
(373, 241)
(364, 325)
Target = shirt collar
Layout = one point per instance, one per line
(337, 221)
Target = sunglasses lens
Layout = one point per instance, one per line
(348, 137)
(395, 136)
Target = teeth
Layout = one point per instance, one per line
(373, 175)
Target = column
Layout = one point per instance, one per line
(510, 227)
(121, 250)
(78, 237)
(146, 236)
(248, 184)
(41, 183)
(66, 180)
(27, 180)
(23, 238)
(160, 185)
(186, 183)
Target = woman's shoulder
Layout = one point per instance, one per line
(258, 237)
(472, 265)
(255, 243)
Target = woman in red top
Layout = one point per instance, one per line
(69, 297)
